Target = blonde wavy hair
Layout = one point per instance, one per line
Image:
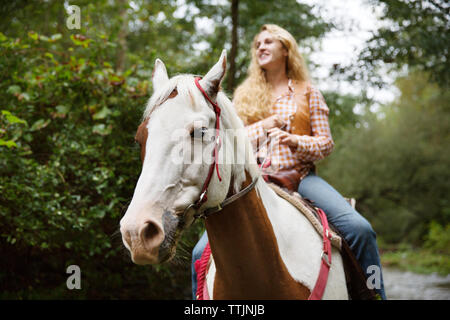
(252, 99)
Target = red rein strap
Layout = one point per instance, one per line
(217, 142)
(321, 282)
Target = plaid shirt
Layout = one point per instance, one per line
(309, 148)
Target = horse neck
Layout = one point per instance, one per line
(246, 254)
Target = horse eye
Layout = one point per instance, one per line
(198, 132)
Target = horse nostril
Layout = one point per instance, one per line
(150, 231)
(151, 235)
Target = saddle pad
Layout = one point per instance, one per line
(297, 201)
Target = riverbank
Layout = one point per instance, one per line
(412, 273)
(417, 260)
(406, 285)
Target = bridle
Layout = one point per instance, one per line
(215, 164)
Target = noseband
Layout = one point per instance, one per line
(203, 194)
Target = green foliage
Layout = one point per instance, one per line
(68, 167)
(293, 15)
(341, 112)
(438, 238)
(417, 260)
(415, 34)
(10, 124)
(397, 166)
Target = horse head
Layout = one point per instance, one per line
(178, 138)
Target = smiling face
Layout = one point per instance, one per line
(270, 52)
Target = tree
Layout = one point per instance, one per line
(396, 167)
(67, 162)
(414, 34)
(247, 17)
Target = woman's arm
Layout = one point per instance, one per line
(257, 132)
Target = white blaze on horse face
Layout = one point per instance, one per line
(143, 226)
(166, 186)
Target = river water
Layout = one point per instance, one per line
(404, 285)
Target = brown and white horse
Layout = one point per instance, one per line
(263, 248)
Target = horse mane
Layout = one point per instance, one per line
(187, 90)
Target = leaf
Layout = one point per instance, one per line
(116, 80)
(49, 55)
(101, 129)
(33, 35)
(14, 89)
(40, 124)
(12, 118)
(102, 114)
(8, 143)
(61, 112)
(56, 37)
(62, 109)
(80, 40)
(24, 96)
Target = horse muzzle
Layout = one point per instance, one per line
(142, 239)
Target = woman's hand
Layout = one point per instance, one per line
(282, 137)
(274, 121)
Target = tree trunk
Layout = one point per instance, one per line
(234, 44)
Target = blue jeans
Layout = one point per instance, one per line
(196, 255)
(356, 230)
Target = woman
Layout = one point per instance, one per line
(276, 89)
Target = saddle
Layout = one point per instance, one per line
(354, 275)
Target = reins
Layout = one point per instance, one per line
(215, 165)
(217, 141)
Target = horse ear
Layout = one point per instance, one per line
(159, 75)
(211, 81)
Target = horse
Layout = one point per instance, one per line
(262, 247)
